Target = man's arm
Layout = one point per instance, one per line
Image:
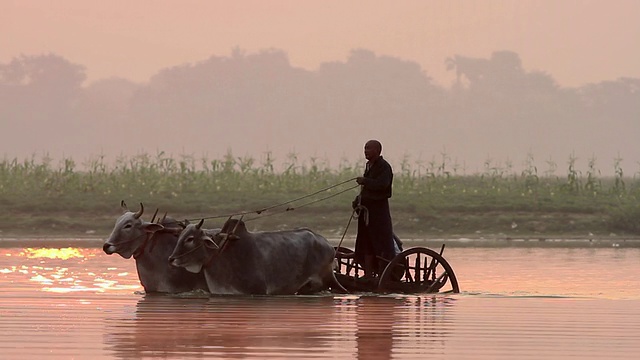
(381, 178)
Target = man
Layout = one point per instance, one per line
(375, 233)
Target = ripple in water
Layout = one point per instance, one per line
(523, 303)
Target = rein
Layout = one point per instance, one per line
(359, 210)
(289, 208)
(215, 253)
(179, 256)
(353, 216)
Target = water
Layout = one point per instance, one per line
(517, 303)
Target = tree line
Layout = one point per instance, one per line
(258, 102)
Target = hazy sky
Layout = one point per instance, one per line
(575, 41)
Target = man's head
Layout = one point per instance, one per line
(372, 150)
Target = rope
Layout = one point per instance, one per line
(353, 216)
(179, 256)
(289, 208)
(308, 195)
(260, 211)
(358, 211)
(140, 249)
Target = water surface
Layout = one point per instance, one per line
(551, 303)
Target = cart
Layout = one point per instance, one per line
(412, 271)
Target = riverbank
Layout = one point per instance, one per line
(458, 227)
(63, 241)
(39, 200)
(334, 223)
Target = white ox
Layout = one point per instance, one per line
(150, 245)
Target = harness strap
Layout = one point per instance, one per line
(188, 252)
(215, 253)
(224, 242)
(138, 251)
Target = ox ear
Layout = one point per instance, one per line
(152, 227)
(208, 242)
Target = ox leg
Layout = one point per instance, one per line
(313, 286)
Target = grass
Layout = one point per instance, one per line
(38, 197)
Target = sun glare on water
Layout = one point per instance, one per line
(63, 254)
(62, 270)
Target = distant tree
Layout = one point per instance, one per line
(44, 79)
(45, 71)
(613, 96)
(40, 93)
(468, 70)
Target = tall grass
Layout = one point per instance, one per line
(434, 194)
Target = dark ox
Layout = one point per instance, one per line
(258, 263)
(151, 244)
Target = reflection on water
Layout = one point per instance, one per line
(363, 327)
(63, 271)
(516, 303)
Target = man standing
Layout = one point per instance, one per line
(375, 232)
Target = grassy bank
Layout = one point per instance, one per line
(40, 198)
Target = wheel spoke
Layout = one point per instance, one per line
(408, 273)
(425, 276)
(424, 271)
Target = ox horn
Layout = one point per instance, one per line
(123, 205)
(154, 215)
(199, 225)
(139, 213)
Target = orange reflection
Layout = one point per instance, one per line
(64, 270)
(63, 254)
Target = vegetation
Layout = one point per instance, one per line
(255, 101)
(43, 198)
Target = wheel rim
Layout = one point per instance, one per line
(418, 270)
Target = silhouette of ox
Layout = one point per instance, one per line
(237, 261)
(150, 244)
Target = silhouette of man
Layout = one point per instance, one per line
(375, 232)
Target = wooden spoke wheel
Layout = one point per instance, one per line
(347, 262)
(418, 270)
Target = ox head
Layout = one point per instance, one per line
(192, 249)
(129, 233)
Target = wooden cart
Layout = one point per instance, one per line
(412, 271)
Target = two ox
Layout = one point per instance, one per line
(258, 263)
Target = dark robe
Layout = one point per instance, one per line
(376, 238)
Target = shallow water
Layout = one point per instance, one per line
(515, 303)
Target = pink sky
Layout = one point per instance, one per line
(577, 42)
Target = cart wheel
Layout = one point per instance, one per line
(347, 262)
(418, 270)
